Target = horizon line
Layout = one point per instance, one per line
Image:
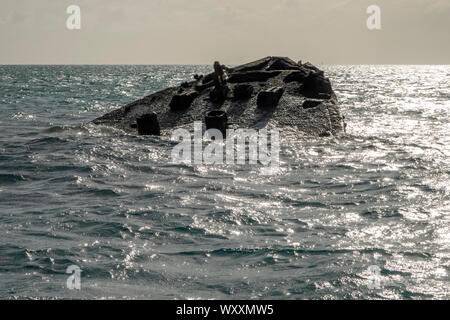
(205, 64)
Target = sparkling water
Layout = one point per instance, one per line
(363, 215)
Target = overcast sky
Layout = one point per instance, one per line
(232, 31)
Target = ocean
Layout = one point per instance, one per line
(364, 215)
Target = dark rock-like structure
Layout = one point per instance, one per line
(148, 124)
(268, 99)
(273, 91)
(242, 91)
(217, 120)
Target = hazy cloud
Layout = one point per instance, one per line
(233, 31)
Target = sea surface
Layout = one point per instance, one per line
(361, 216)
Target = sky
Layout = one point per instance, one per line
(231, 31)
